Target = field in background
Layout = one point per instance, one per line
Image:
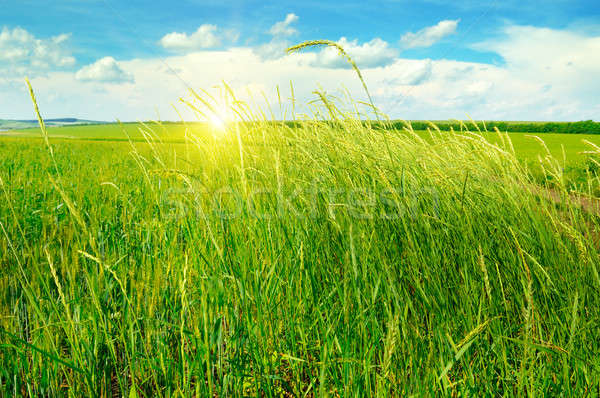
(567, 149)
(27, 124)
(526, 147)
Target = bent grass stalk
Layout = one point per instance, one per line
(343, 54)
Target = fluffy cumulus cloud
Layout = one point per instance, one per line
(371, 54)
(280, 32)
(21, 53)
(569, 62)
(203, 38)
(536, 81)
(407, 72)
(284, 28)
(274, 49)
(105, 70)
(415, 89)
(429, 36)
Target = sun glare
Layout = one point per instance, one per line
(218, 119)
(218, 122)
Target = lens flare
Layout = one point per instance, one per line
(219, 118)
(218, 122)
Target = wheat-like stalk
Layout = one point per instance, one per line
(343, 54)
(42, 125)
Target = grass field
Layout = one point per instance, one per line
(328, 259)
(526, 147)
(569, 150)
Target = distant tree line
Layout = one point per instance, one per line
(581, 127)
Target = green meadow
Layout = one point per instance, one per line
(575, 153)
(323, 259)
(568, 148)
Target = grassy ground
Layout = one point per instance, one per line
(329, 259)
(526, 147)
(567, 149)
(170, 132)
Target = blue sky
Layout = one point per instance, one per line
(109, 54)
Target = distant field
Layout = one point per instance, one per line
(526, 147)
(529, 148)
(114, 132)
(26, 124)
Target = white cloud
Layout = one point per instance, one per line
(231, 35)
(563, 63)
(374, 53)
(21, 53)
(283, 28)
(105, 70)
(429, 36)
(407, 72)
(274, 49)
(371, 54)
(558, 57)
(280, 31)
(538, 81)
(203, 38)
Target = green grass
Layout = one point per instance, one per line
(569, 150)
(526, 147)
(327, 259)
(170, 132)
(529, 149)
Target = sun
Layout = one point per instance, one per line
(218, 122)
